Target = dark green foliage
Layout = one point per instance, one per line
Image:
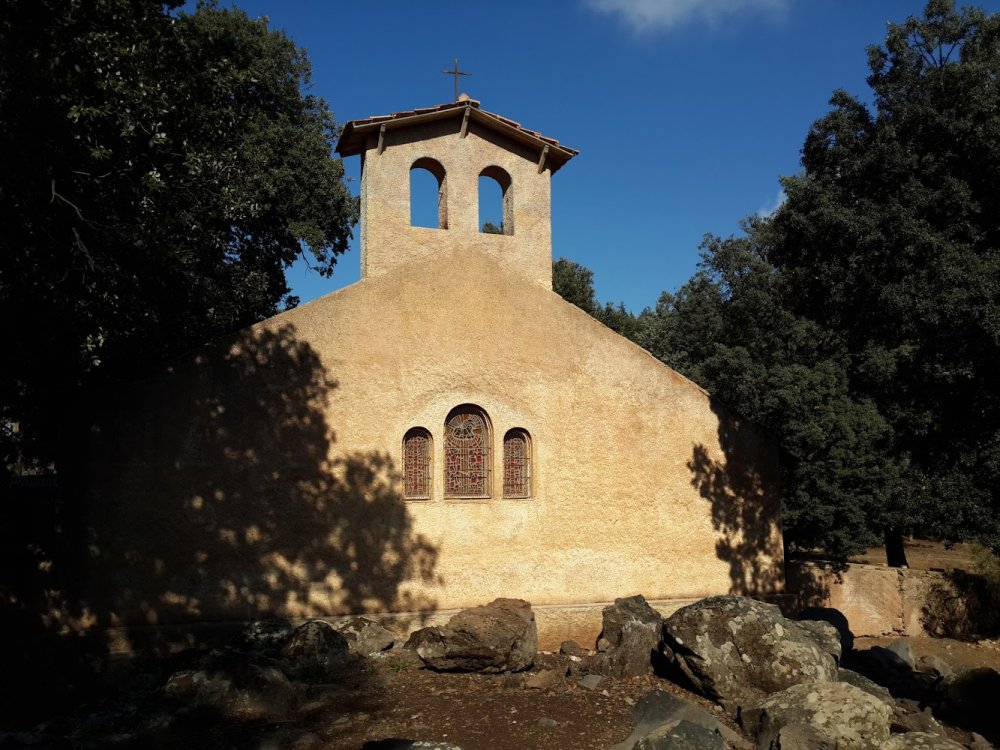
(490, 228)
(891, 238)
(161, 171)
(619, 320)
(575, 283)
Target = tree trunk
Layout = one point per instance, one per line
(895, 552)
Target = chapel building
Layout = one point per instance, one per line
(443, 432)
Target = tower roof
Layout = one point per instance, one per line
(355, 134)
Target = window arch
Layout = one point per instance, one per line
(499, 214)
(467, 453)
(517, 463)
(417, 446)
(428, 194)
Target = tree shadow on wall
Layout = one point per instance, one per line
(746, 511)
(234, 505)
(215, 493)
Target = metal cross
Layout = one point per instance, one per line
(456, 72)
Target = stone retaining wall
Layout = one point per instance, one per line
(878, 600)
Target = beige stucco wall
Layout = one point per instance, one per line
(262, 476)
(389, 242)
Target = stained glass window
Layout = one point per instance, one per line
(467, 453)
(516, 464)
(417, 464)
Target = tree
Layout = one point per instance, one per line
(729, 330)
(575, 283)
(619, 320)
(162, 169)
(891, 237)
(490, 228)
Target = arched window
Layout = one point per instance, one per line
(517, 464)
(428, 194)
(417, 464)
(496, 201)
(467, 442)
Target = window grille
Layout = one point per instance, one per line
(467, 453)
(516, 464)
(417, 464)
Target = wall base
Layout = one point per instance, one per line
(556, 623)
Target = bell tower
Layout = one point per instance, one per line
(457, 143)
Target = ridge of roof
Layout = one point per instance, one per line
(354, 134)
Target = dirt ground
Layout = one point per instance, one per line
(477, 712)
(960, 654)
(483, 712)
(472, 711)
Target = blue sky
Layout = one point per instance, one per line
(685, 112)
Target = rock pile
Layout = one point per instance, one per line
(254, 678)
(784, 682)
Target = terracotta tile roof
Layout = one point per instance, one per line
(354, 137)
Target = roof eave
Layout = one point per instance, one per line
(353, 139)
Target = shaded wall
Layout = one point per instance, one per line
(220, 492)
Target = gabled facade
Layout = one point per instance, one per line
(443, 432)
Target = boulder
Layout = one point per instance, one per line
(838, 712)
(801, 737)
(631, 609)
(499, 637)
(366, 637)
(680, 735)
(920, 741)
(235, 689)
(970, 699)
(916, 721)
(825, 635)
(891, 670)
(316, 652)
(935, 666)
(633, 654)
(904, 651)
(738, 651)
(659, 707)
(265, 637)
(632, 630)
(835, 618)
(860, 681)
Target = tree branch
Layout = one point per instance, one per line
(64, 200)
